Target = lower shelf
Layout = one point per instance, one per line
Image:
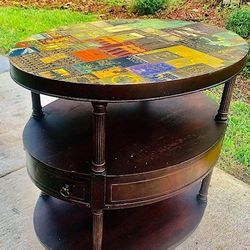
(160, 226)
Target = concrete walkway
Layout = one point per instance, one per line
(225, 225)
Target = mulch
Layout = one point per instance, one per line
(195, 10)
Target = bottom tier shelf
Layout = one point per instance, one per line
(160, 226)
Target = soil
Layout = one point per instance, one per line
(196, 10)
(242, 89)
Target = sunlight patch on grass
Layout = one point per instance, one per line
(237, 140)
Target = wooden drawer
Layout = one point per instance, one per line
(58, 184)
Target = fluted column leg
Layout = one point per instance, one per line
(98, 173)
(222, 114)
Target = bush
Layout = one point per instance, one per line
(246, 70)
(144, 7)
(239, 22)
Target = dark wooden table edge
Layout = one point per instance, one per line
(126, 92)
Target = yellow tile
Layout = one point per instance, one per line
(61, 72)
(130, 36)
(155, 51)
(118, 28)
(46, 74)
(125, 78)
(191, 57)
(107, 72)
(53, 58)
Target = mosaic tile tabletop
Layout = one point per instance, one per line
(132, 51)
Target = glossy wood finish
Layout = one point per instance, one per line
(98, 173)
(154, 150)
(97, 229)
(58, 183)
(161, 185)
(99, 136)
(160, 226)
(124, 93)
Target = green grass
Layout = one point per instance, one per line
(236, 146)
(236, 142)
(116, 2)
(17, 24)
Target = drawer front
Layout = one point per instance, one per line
(127, 191)
(58, 184)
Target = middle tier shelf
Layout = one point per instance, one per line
(154, 149)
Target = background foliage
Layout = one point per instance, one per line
(144, 7)
(239, 22)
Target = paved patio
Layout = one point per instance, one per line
(225, 225)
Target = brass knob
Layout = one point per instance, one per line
(65, 191)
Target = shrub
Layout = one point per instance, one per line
(144, 7)
(239, 22)
(246, 70)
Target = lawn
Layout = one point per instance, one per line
(235, 157)
(18, 23)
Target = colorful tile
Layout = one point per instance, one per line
(91, 55)
(197, 69)
(151, 69)
(128, 61)
(160, 55)
(53, 58)
(123, 49)
(192, 57)
(129, 36)
(106, 73)
(88, 79)
(123, 78)
(152, 43)
(157, 24)
(87, 68)
(129, 51)
(21, 51)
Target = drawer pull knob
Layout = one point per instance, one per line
(65, 191)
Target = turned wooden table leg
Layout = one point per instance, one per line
(202, 196)
(36, 106)
(222, 114)
(97, 229)
(98, 173)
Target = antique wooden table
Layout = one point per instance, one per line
(146, 160)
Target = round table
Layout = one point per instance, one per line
(143, 158)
